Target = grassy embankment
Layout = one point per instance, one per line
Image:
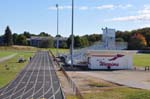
(8, 73)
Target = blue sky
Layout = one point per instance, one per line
(37, 16)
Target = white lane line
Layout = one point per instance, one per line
(59, 88)
(37, 77)
(44, 76)
(4, 91)
(49, 74)
(43, 83)
(37, 64)
(14, 91)
(52, 79)
(33, 70)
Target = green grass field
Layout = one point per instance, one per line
(60, 51)
(5, 53)
(14, 67)
(141, 60)
(119, 93)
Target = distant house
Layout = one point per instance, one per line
(61, 41)
(1, 40)
(36, 40)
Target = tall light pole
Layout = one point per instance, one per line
(72, 34)
(57, 7)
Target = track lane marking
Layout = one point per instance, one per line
(14, 81)
(28, 81)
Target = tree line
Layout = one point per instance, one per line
(22, 39)
(137, 39)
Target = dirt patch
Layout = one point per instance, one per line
(68, 91)
(86, 84)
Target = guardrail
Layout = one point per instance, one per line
(71, 82)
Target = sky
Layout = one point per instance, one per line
(90, 17)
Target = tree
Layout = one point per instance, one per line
(21, 40)
(84, 42)
(27, 34)
(8, 39)
(43, 34)
(63, 45)
(47, 43)
(137, 42)
(69, 42)
(15, 35)
(77, 42)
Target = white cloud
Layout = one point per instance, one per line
(60, 7)
(111, 6)
(104, 7)
(83, 8)
(52, 8)
(101, 7)
(124, 6)
(142, 15)
(146, 10)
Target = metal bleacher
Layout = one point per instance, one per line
(79, 54)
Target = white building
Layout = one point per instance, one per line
(109, 39)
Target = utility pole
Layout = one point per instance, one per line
(72, 34)
(57, 45)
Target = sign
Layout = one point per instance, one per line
(109, 60)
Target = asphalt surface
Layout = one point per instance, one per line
(37, 80)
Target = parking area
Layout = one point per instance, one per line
(135, 79)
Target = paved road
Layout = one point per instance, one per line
(37, 80)
(135, 79)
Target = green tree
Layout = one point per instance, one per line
(21, 40)
(63, 45)
(69, 41)
(43, 34)
(27, 34)
(77, 42)
(84, 42)
(47, 43)
(8, 39)
(15, 35)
